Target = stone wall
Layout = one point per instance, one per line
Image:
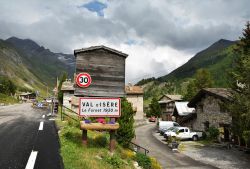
(137, 103)
(66, 99)
(208, 109)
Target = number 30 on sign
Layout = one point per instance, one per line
(83, 80)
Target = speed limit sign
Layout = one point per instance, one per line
(83, 80)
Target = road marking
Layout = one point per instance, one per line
(32, 160)
(41, 125)
(43, 116)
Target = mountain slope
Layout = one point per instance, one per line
(31, 66)
(12, 67)
(218, 54)
(217, 59)
(43, 63)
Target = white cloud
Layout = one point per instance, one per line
(162, 34)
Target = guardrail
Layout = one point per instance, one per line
(137, 148)
(65, 114)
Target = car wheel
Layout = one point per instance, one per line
(195, 138)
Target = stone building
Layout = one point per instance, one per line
(68, 93)
(134, 95)
(210, 111)
(167, 103)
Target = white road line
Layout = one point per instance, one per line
(43, 116)
(32, 160)
(41, 125)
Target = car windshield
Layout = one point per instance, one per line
(171, 128)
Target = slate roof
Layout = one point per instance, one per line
(172, 97)
(100, 47)
(220, 93)
(67, 86)
(182, 108)
(133, 89)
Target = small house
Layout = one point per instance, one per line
(134, 95)
(26, 97)
(68, 93)
(106, 66)
(167, 103)
(210, 110)
(184, 114)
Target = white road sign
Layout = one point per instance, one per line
(100, 107)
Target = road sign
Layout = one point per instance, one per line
(100, 107)
(83, 80)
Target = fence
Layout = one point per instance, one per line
(137, 148)
(70, 113)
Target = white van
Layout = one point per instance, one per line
(167, 125)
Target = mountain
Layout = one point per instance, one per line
(43, 63)
(217, 59)
(218, 54)
(31, 66)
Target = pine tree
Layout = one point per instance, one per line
(155, 109)
(202, 79)
(240, 105)
(126, 131)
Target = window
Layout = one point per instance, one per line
(181, 131)
(206, 125)
(186, 130)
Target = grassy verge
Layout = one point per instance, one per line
(95, 156)
(7, 99)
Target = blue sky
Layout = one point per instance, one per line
(158, 35)
(95, 6)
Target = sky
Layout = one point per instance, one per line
(158, 35)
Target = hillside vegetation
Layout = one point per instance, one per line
(217, 59)
(32, 67)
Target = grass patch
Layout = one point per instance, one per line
(95, 156)
(7, 99)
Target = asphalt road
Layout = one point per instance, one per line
(167, 158)
(20, 136)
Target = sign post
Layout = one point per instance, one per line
(100, 107)
(100, 83)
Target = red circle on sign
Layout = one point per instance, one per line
(83, 80)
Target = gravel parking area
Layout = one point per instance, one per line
(217, 156)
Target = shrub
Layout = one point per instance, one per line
(114, 160)
(126, 131)
(127, 153)
(155, 164)
(143, 161)
(101, 141)
(213, 133)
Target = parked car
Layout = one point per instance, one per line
(152, 119)
(166, 130)
(183, 133)
(167, 125)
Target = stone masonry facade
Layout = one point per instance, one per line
(209, 110)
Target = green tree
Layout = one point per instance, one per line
(202, 79)
(60, 93)
(155, 108)
(126, 131)
(7, 86)
(240, 76)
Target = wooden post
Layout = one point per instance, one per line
(84, 137)
(112, 140)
